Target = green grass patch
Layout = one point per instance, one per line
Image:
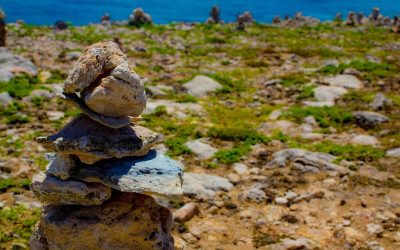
(19, 86)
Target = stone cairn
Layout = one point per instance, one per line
(139, 18)
(3, 32)
(214, 17)
(104, 184)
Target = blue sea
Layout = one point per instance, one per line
(82, 12)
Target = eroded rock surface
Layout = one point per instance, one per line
(51, 190)
(153, 174)
(92, 142)
(127, 221)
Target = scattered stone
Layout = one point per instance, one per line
(305, 161)
(139, 18)
(319, 104)
(11, 64)
(5, 99)
(368, 120)
(55, 115)
(351, 71)
(200, 86)
(365, 140)
(187, 212)
(381, 102)
(173, 107)
(51, 190)
(204, 185)
(329, 93)
(345, 81)
(38, 93)
(374, 229)
(153, 174)
(118, 224)
(256, 194)
(92, 142)
(393, 152)
(62, 166)
(72, 55)
(240, 169)
(189, 238)
(290, 244)
(202, 150)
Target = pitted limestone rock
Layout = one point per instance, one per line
(106, 83)
(153, 174)
(126, 221)
(92, 142)
(51, 190)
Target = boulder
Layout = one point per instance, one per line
(200, 86)
(92, 142)
(345, 81)
(328, 93)
(11, 64)
(368, 120)
(51, 190)
(153, 174)
(202, 150)
(126, 221)
(305, 161)
(204, 185)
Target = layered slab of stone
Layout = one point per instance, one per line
(126, 221)
(154, 174)
(92, 142)
(61, 166)
(51, 190)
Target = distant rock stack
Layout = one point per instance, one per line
(106, 19)
(101, 188)
(244, 19)
(214, 16)
(3, 31)
(139, 18)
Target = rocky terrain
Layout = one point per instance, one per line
(289, 136)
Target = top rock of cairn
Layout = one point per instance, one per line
(105, 174)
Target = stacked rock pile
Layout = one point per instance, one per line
(102, 186)
(2, 28)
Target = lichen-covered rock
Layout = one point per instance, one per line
(106, 83)
(126, 221)
(51, 190)
(153, 174)
(368, 119)
(62, 166)
(92, 142)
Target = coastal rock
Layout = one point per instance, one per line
(187, 212)
(112, 122)
(204, 185)
(201, 149)
(368, 120)
(126, 221)
(305, 161)
(11, 64)
(395, 152)
(5, 99)
(51, 190)
(328, 93)
(200, 86)
(345, 81)
(153, 174)
(119, 94)
(92, 142)
(62, 166)
(97, 60)
(365, 140)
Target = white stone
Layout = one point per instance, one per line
(200, 86)
(329, 93)
(240, 169)
(346, 81)
(201, 149)
(365, 140)
(393, 152)
(55, 115)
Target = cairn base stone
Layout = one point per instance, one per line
(127, 221)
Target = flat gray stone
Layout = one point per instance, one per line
(154, 174)
(11, 64)
(92, 142)
(328, 93)
(201, 149)
(204, 185)
(345, 81)
(200, 86)
(395, 152)
(51, 190)
(368, 119)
